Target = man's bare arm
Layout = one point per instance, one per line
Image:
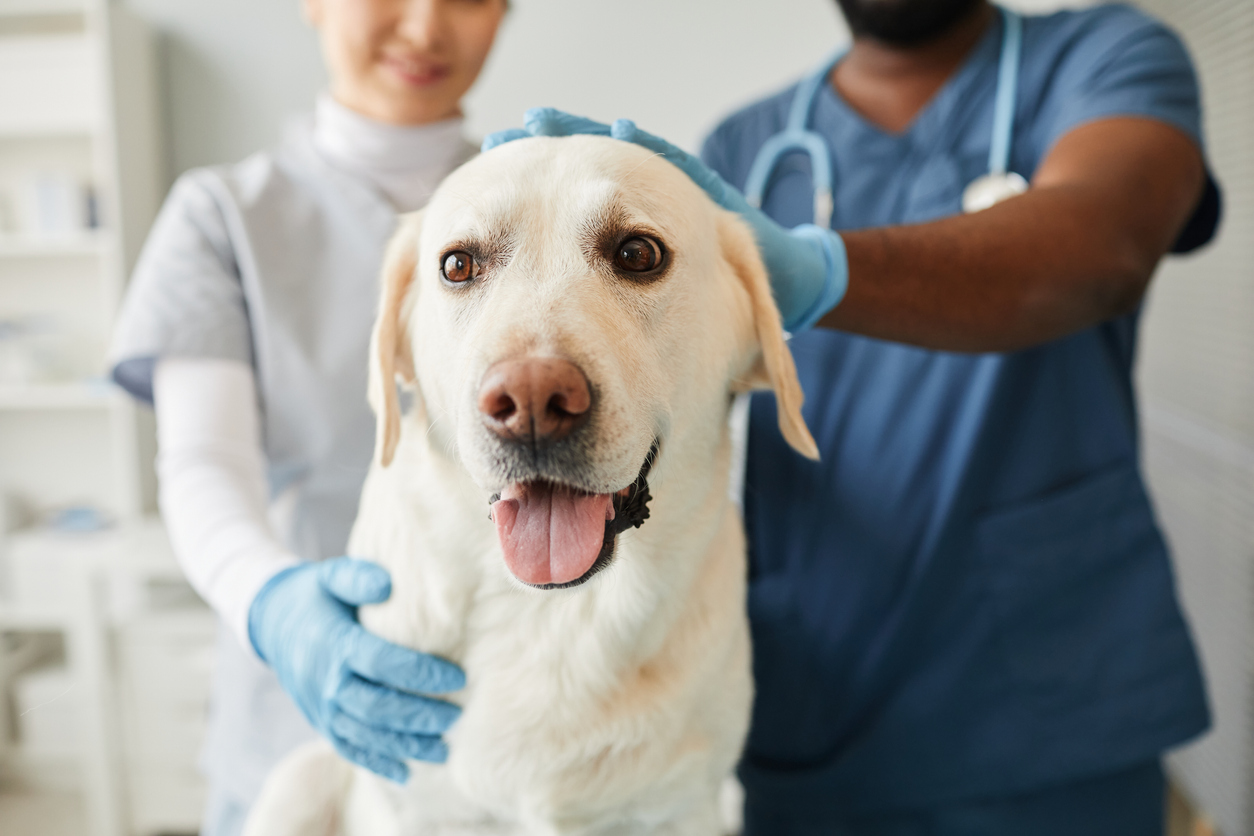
(1079, 248)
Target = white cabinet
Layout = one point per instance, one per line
(139, 654)
(164, 664)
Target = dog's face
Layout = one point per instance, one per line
(569, 309)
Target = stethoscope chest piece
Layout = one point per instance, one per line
(992, 189)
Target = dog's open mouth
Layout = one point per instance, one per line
(556, 536)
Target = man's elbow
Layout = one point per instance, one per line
(1117, 287)
(1105, 291)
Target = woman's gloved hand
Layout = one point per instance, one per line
(808, 267)
(359, 691)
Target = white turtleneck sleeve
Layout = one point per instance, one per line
(212, 483)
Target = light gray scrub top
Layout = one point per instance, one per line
(273, 262)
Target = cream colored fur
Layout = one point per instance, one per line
(618, 706)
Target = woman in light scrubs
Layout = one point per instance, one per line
(247, 323)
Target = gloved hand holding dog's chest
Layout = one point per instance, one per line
(808, 266)
(359, 691)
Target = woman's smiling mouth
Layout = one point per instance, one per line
(416, 72)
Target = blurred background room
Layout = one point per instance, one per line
(106, 653)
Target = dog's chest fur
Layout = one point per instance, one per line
(625, 695)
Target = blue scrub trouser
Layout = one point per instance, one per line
(1126, 803)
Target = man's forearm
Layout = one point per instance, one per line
(1019, 274)
(1072, 252)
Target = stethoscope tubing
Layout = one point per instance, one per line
(1007, 93)
(797, 136)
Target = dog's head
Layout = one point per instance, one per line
(564, 311)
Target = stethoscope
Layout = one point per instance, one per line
(999, 184)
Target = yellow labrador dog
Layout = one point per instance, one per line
(571, 318)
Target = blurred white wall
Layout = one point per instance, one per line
(232, 71)
(236, 70)
(674, 67)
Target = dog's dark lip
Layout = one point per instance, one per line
(631, 509)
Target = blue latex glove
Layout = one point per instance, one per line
(358, 690)
(808, 267)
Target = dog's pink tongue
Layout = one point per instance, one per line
(550, 534)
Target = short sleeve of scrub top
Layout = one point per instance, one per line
(1116, 63)
(185, 298)
(1122, 63)
(969, 594)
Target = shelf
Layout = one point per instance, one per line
(58, 396)
(31, 246)
(47, 130)
(17, 617)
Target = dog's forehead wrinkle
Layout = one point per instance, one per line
(583, 193)
(626, 206)
(542, 271)
(496, 230)
(468, 199)
(560, 190)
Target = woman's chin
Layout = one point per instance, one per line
(402, 104)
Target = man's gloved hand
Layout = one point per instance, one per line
(808, 267)
(358, 690)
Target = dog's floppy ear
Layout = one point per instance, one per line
(773, 368)
(390, 353)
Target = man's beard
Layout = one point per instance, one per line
(904, 22)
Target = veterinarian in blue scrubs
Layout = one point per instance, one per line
(964, 616)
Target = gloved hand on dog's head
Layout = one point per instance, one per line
(808, 266)
(359, 691)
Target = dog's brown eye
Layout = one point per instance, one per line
(458, 266)
(638, 255)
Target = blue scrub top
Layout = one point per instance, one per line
(969, 594)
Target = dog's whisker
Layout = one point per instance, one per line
(645, 160)
(432, 418)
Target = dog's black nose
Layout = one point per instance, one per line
(534, 399)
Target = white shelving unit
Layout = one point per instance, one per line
(78, 134)
(80, 181)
